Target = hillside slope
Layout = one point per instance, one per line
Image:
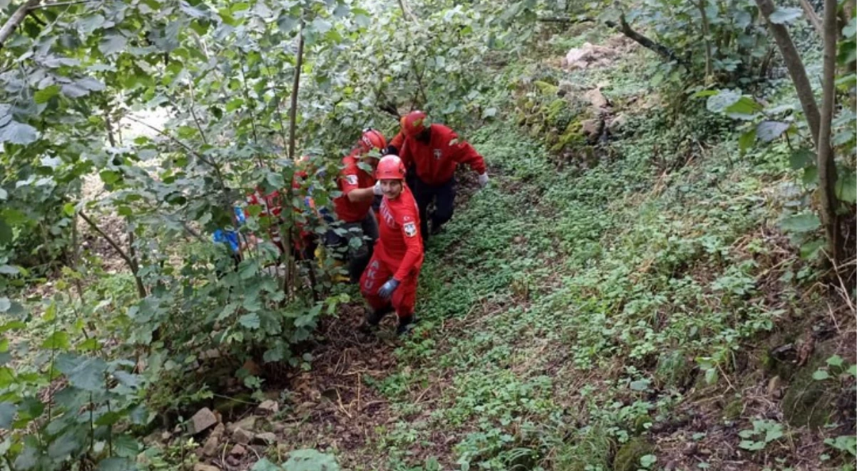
(642, 313)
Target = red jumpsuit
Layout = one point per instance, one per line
(271, 206)
(352, 177)
(398, 254)
(436, 160)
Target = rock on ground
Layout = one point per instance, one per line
(202, 420)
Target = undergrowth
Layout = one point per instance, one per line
(565, 314)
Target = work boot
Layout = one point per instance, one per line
(405, 325)
(375, 317)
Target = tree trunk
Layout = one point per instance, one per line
(293, 111)
(16, 19)
(132, 264)
(795, 67)
(826, 164)
(812, 16)
(706, 38)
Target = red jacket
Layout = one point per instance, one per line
(271, 207)
(352, 177)
(399, 241)
(436, 161)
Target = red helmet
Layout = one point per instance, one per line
(413, 123)
(390, 168)
(372, 139)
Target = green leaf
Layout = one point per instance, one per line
(5, 235)
(782, 16)
(287, 23)
(843, 137)
(362, 21)
(63, 446)
(751, 445)
(3, 194)
(722, 100)
(88, 345)
(648, 460)
(14, 325)
(640, 385)
(7, 414)
(846, 188)
(250, 321)
(5, 304)
(820, 375)
(247, 269)
(744, 108)
(746, 140)
(9, 270)
(127, 379)
(18, 133)
(226, 17)
(81, 88)
(28, 458)
(57, 341)
(489, 113)
(117, 464)
(835, 360)
(850, 30)
(89, 375)
(810, 250)
(801, 158)
(320, 25)
(108, 418)
(126, 446)
(805, 222)
(852, 370)
(44, 95)
(810, 175)
(773, 433)
(770, 130)
(265, 465)
(234, 104)
(310, 460)
(109, 177)
(112, 44)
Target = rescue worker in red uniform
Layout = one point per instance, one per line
(303, 243)
(354, 207)
(390, 281)
(432, 152)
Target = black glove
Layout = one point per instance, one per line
(391, 150)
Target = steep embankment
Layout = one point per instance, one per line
(626, 306)
(645, 312)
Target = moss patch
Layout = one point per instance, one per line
(809, 402)
(628, 456)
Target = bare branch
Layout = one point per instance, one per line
(293, 111)
(812, 16)
(644, 41)
(62, 4)
(141, 289)
(15, 20)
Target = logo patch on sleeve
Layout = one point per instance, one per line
(351, 179)
(410, 229)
